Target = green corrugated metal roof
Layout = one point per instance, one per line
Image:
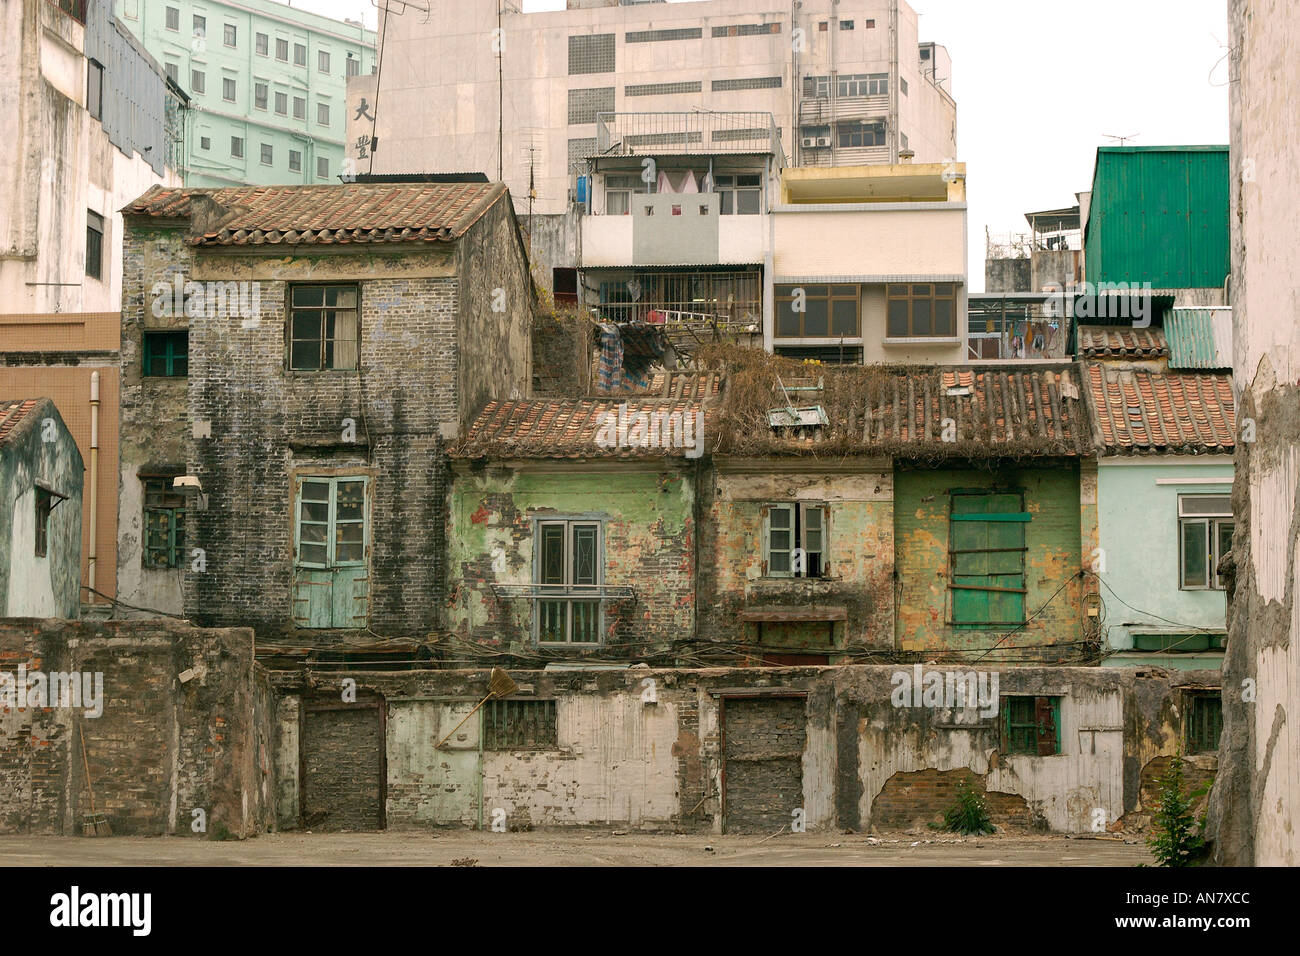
(1159, 214)
(1199, 338)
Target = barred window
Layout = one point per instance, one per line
(816, 86)
(653, 36)
(585, 104)
(591, 54)
(748, 83)
(662, 89)
(519, 725)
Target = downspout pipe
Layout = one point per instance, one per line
(93, 555)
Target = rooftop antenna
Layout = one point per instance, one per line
(1121, 140)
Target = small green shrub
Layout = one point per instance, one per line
(1175, 838)
(970, 814)
(221, 832)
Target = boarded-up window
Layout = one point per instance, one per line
(331, 585)
(519, 725)
(1031, 725)
(987, 554)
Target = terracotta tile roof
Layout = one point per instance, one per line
(679, 385)
(342, 213)
(13, 412)
(547, 428)
(1121, 341)
(1139, 412)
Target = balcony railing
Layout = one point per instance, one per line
(658, 134)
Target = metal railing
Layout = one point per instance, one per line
(655, 134)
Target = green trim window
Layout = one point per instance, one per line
(323, 327)
(1204, 537)
(164, 523)
(1031, 725)
(794, 537)
(331, 579)
(166, 354)
(921, 309)
(987, 557)
(520, 725)
(817, 311)
(570, 563)
(1204, 722)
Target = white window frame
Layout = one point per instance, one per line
(728, 185)
(1212, 520)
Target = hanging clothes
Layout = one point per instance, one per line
(689, 185)
(664, 184)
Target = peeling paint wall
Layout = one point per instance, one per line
(644, 747)
(1253, 808)
(1054, 539)
(647, 516)
(859, 556)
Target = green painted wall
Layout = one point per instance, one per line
(922, 502)
(1138, 521)
(1159, 215)
(181, 52)
(649, 544)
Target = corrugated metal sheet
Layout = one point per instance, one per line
(1199, 338)
(135, 91)
(1159, 215)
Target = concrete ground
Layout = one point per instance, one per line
(573, 848)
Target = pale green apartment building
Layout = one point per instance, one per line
(267, 83)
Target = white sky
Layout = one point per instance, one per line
(1039, 84)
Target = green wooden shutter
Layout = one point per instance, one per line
(331, 579)
(988, 558)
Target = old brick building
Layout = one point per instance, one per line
(300, 356)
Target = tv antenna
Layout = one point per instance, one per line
(1121, 140)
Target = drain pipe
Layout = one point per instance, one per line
(93, 556)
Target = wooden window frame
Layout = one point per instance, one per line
(797, 525)
(1047, 737)
(909, 293)
(291, 339)
(332, 521)
(1194, 725)
(171, 357)
(164, 503)
(501, 725)
(571, 594)
(835, 292)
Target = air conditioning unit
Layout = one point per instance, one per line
(809, 142)
(823, 141)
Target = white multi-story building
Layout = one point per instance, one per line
(88, 122)
(477, 85)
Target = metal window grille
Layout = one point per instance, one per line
(520, 725)
(748, 83)
(1204, 723)
(585, 104)
(164, 524)
(591, 54)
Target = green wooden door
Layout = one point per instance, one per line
(331, 580)
(988, 559)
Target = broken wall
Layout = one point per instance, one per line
(179, 735)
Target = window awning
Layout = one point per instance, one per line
(787, 613)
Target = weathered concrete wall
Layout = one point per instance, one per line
(1253, 809)
(159, 747)
(648, 526)
(1008, 275)
(1054, 556)
(860, 553)
(650, 748)
(40, 450)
